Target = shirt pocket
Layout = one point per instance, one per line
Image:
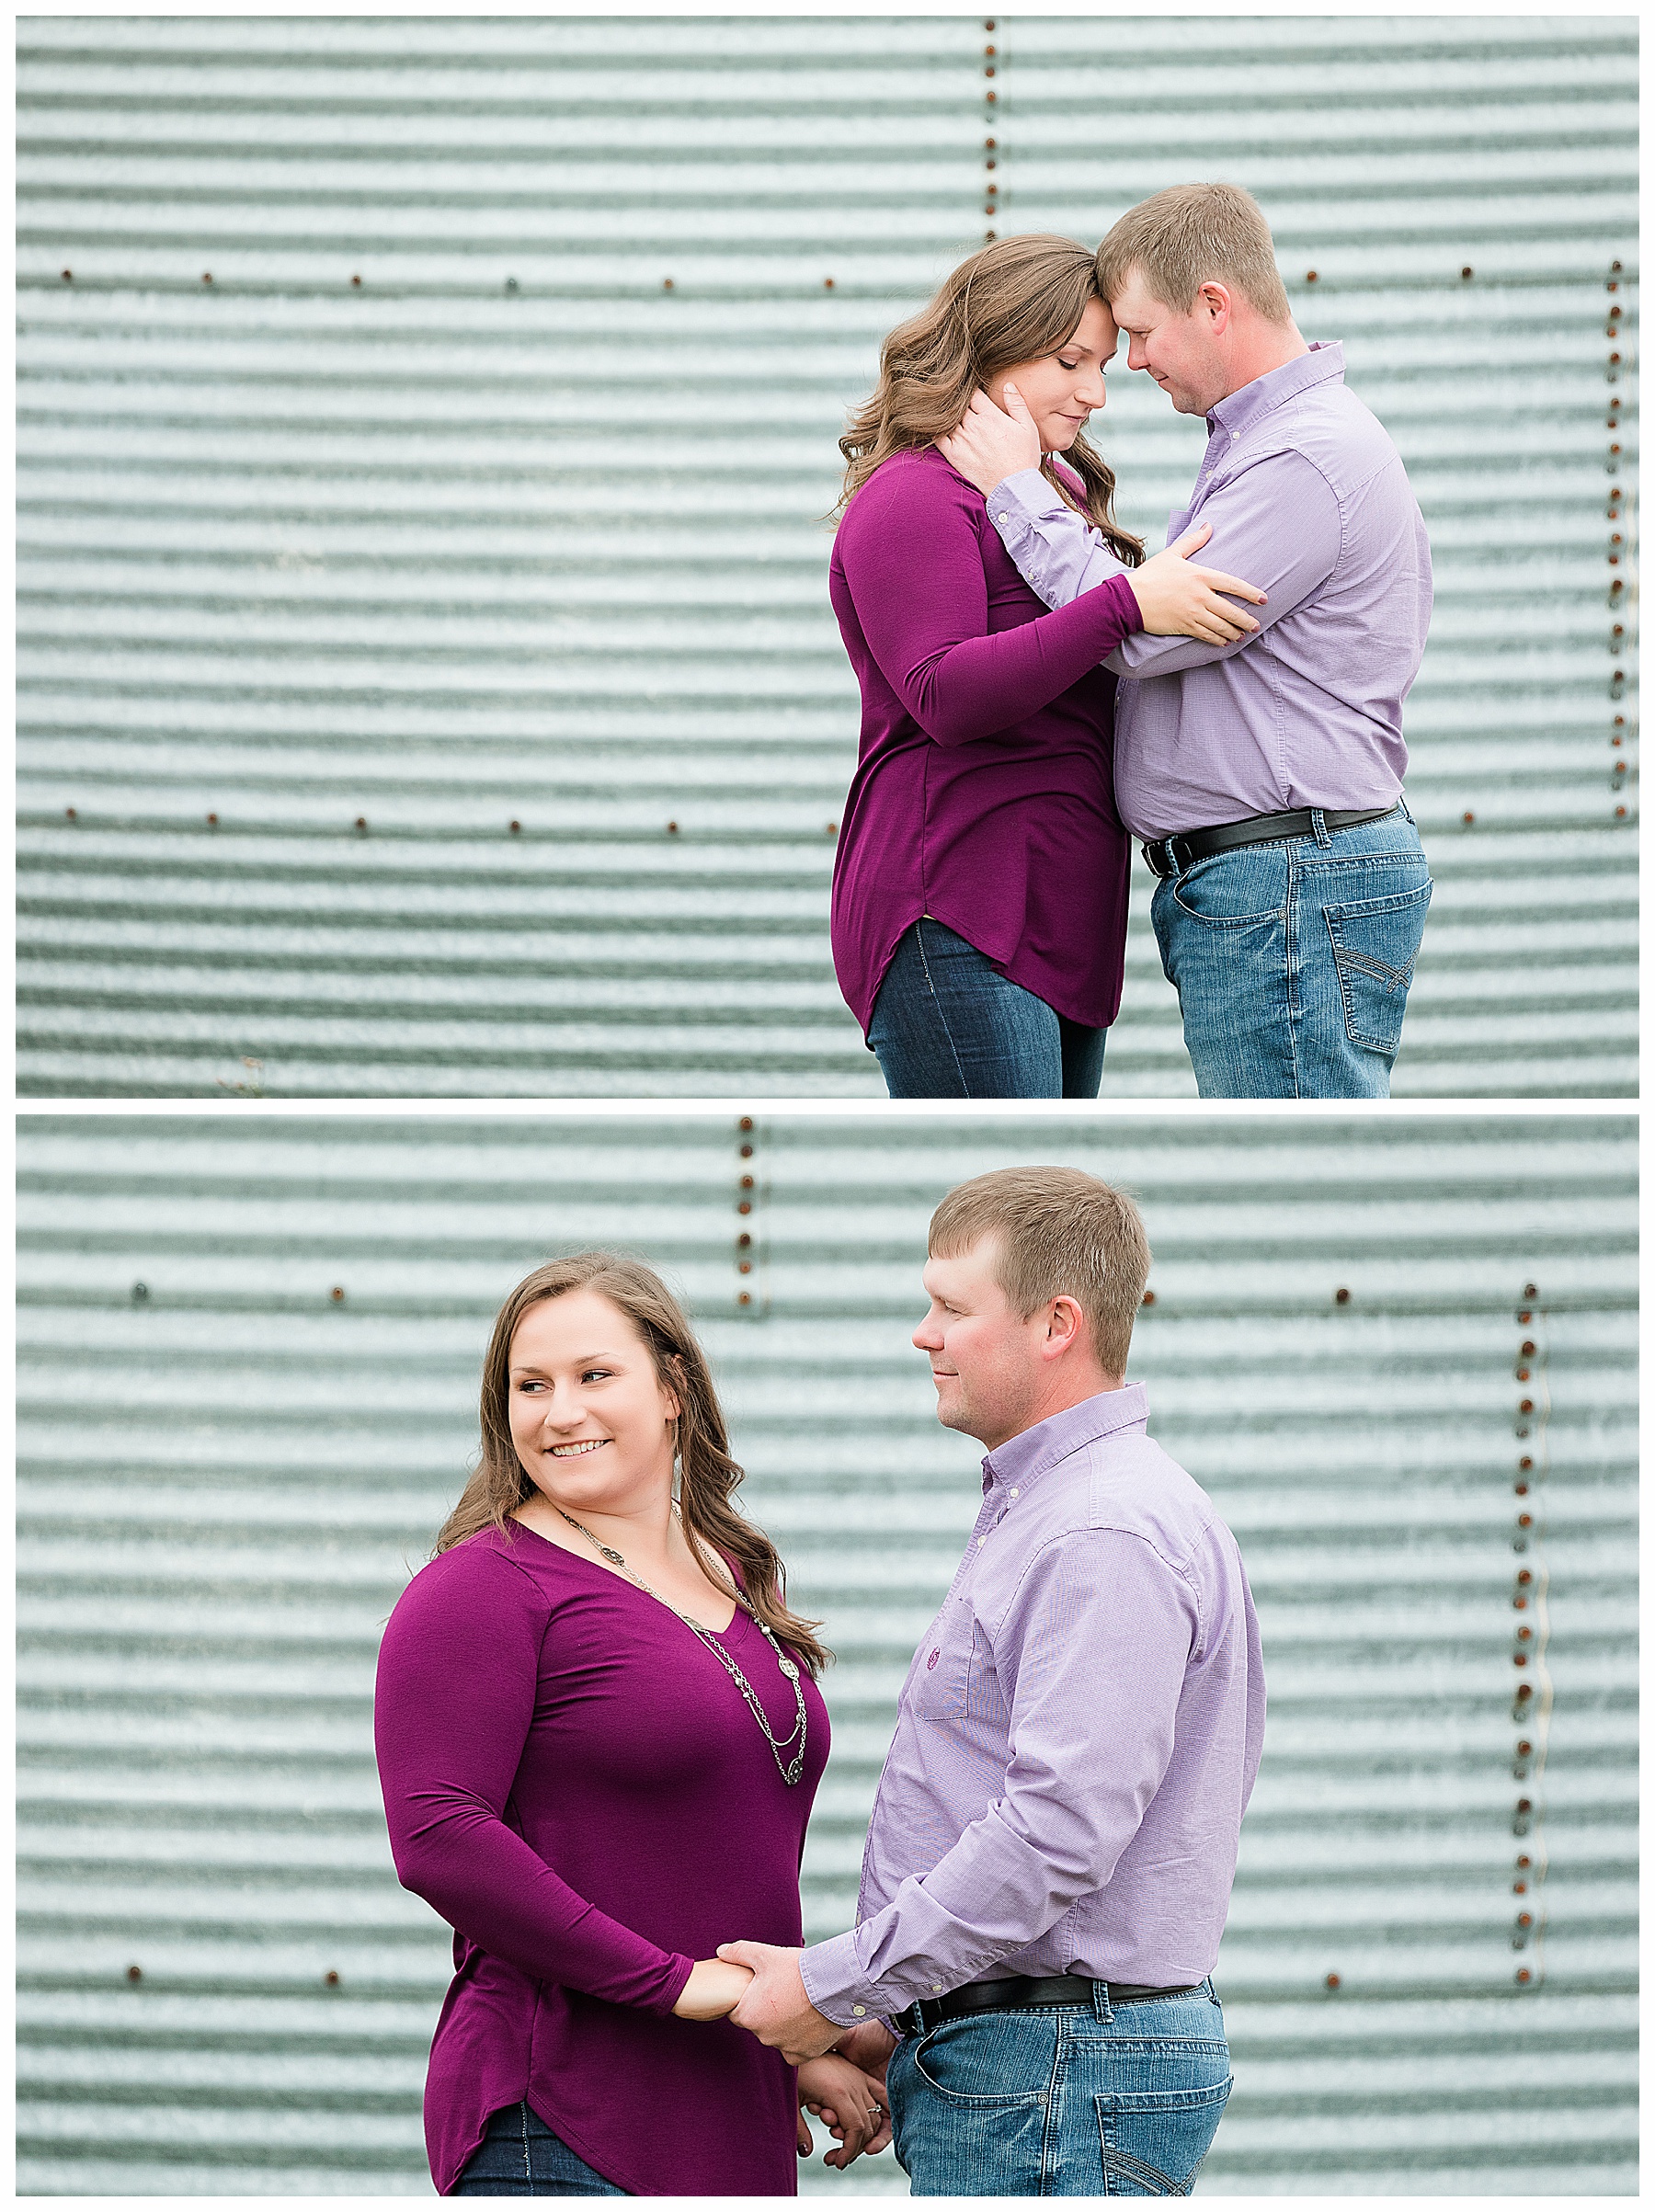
(942, 1666)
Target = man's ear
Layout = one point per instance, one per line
(1216, 304)
(1065, 1325)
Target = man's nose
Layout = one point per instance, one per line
(926, 1337)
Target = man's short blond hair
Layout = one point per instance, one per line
(1193, 235)
(1061, 1234)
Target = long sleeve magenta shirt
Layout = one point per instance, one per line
(984, 791)
(578, 1786)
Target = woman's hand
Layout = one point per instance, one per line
(1178, 599)
(849, 2103)
(714, 1988)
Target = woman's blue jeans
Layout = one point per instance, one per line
(1063, 2101)
(1292, 960)
(947, 1025)
(521, 2156)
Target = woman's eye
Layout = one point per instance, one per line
(1070, 366)
(595, 1374)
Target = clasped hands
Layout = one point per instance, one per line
(841, 2070)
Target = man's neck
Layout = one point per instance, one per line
(1062, 1401)
(1267, 347)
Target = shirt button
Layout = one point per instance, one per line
(1005, 518)
(982, 1539)
(1014, 1493)
(859, 2011)
(936, 1989)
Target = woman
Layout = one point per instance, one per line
(599, 1738)
(979, 893)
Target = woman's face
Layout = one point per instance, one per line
(591, 1422)
(1062, 389)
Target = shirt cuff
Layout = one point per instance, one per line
(836, 1981)
(1021, 496)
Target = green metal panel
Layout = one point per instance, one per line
(429, 686)
(1399, 1352)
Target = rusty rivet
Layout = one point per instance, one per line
(1524, 1576)
(1310, 276)
(672, 829)
(827, 283)
(1614, 450)
(337, 1293)
(1525, 1690)
(515, 827)
(744, 1298)
(744, 1240)
(988, 72)
(1525, 1636)
(991, 164)
(213, 821)
(1341, 1297)
(1522, 1489)
(1531, 1290)
(1615, 266)
(134, 1973)
(833, 829)
(1523, 1974)
(1525, 1521)
(1331, 1982)
(1467, 819)
(1523, 1806)
(746, 1182)
(1620, 813)
(1524, 1747)
(1148, 1298)
(1614, 360)
(1527, 1350)
(745, 1206)
(746, 1122)
(68, 812)
(990, 97)
(989, 144)
(361, 821)
(746, 1152)
(332, 1977)
(1465, 273)
(1526, 1919)
(68, 276)
(666, 283)
(1519, 1659)
(744, 1267)
(1520, 1888)
(206, 276)
(988, 50)
(1523, 1859)
(356, 280)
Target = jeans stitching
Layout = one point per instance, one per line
(528, 2166)
(954, 1050)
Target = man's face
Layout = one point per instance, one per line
(984, 1357)
(1182, 352)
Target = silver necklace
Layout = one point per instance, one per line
(789, 1768)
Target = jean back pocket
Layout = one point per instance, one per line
(1375, 942)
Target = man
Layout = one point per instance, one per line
(1050, 1850)
(1265, 777)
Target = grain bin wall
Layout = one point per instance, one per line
(429, 686)
(1399, 1353)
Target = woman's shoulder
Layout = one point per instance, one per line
(492, 1560)
(911, 490)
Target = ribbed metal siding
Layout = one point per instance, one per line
(508, 554)
(248, 1368)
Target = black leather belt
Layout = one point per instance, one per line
(1170, 856)
(1015, 1991)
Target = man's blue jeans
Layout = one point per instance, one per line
(1063, 2101)
(1292, 960)
(947, 1025)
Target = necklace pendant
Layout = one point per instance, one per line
(788, 1669)
(613, 1555)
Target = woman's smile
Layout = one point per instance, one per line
(586, 1443)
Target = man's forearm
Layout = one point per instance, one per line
(1058, 553)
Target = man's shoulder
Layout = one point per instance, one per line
(1337, 433)
(1131, 1486)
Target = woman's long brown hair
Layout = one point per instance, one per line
(707, 1475)
(1013, 301)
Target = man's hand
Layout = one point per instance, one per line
(989, 446)
(868, 2046)
(774, 2006)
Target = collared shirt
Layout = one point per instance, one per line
(1077, 1738)
(1308, 500)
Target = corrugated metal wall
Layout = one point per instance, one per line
(1399, 1352)
(429, 684)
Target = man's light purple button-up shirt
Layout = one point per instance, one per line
(1308, 500)
(1077, 1738)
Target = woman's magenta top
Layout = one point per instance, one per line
(579, 1788)
(984, 794)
